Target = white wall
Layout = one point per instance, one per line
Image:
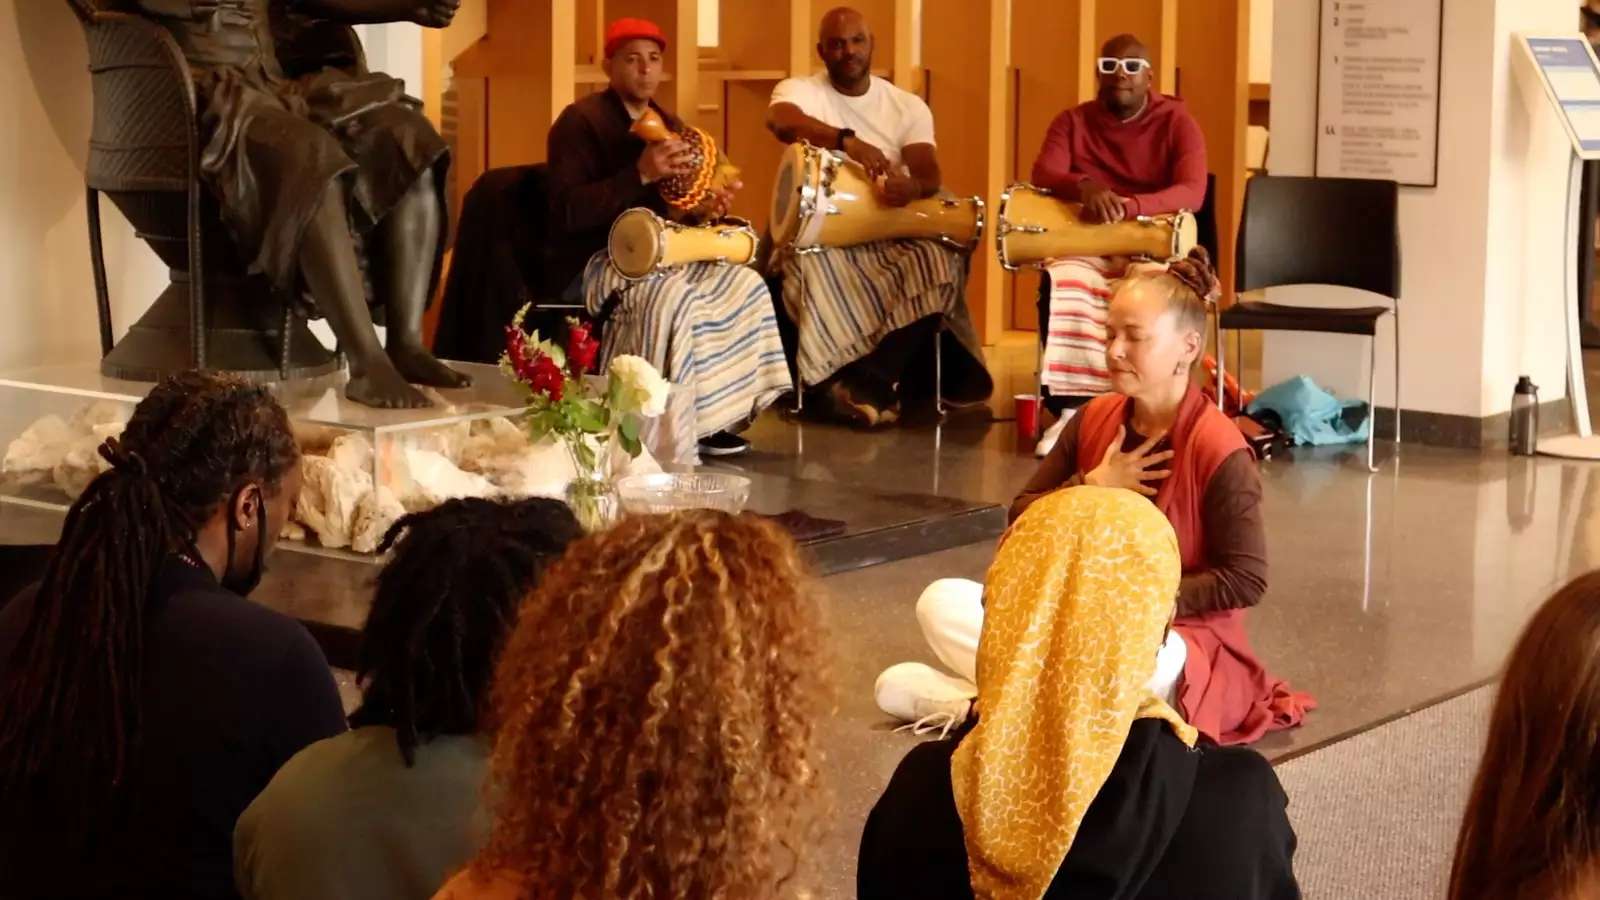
(395, 49)
(46, 288)
(1481, 252)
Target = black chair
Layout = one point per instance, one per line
(1205, 224)
(1320, 231)
(144, 153)
(499, 265)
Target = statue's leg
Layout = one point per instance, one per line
(329, 266)
(401, 253)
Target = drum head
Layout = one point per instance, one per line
(1186, 233)
(784, 222)
(635, 243)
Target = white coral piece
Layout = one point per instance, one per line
(377, 511)
(39, 449)
(328, 499)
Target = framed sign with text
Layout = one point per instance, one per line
(1378, 90)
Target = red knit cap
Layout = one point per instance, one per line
(624, 30)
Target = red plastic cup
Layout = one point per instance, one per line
(1027, 418)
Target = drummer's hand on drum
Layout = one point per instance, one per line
(871, 158)
(1101, 205)
(666, 159)
(718, 202)
(898, 190)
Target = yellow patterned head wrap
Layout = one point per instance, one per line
(1076, 606)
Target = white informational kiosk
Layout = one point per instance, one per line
(1565, 66)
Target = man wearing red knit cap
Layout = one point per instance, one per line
(706, 326)
(1129, 152)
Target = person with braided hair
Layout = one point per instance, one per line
(1155, 435)
(391, 808)
(655, 716)
(146, 701)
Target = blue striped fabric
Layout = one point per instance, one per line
(844, 300)
(705, 326)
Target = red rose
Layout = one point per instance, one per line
(581, 349)
(546, 378)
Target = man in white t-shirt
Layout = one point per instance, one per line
(865, 314)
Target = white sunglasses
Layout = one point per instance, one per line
(1132, 65)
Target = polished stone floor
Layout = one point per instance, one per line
(1388, 592)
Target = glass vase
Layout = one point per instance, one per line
(591, 494)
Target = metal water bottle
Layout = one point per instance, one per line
(1525, 417)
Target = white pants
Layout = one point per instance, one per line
(950, 612)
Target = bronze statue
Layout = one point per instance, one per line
(315, 173)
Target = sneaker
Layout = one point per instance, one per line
(723, 443)
(923, 697)
(1047, 441)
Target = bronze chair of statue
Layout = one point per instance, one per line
(146, 148)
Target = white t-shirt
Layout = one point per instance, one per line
(886, 116)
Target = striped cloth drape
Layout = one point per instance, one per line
(1075, 336)
(844, 300)
(709, 327)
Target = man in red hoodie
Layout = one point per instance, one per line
(1129, 152)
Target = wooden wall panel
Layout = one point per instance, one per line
(1053, 46)
(964, 54)
(590, 36)
(465, 126)
(754, 35)
(1152, 21)
(752, 147)
(1214, 79)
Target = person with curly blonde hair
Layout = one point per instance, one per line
(655, 712)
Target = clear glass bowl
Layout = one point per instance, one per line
(666, 492)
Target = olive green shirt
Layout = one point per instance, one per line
(346, 818)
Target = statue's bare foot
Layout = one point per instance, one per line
(384, 388)
(421, 367)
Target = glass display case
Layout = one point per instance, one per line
(363, 467)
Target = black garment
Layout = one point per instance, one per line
(884, 369)
(498, 264)
(1169, 824)
(231, 690)
(594, 177)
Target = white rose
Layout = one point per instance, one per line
(638, 386)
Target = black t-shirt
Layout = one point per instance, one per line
(231, 690)
(1169, 824)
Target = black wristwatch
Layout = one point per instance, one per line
(845, 134)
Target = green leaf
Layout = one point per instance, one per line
(629, 428)
(589, 416)
(630, 445)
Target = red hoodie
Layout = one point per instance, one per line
(1157, 159)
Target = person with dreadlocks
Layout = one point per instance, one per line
(146, 701)
(391, 808)
(656, 714)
